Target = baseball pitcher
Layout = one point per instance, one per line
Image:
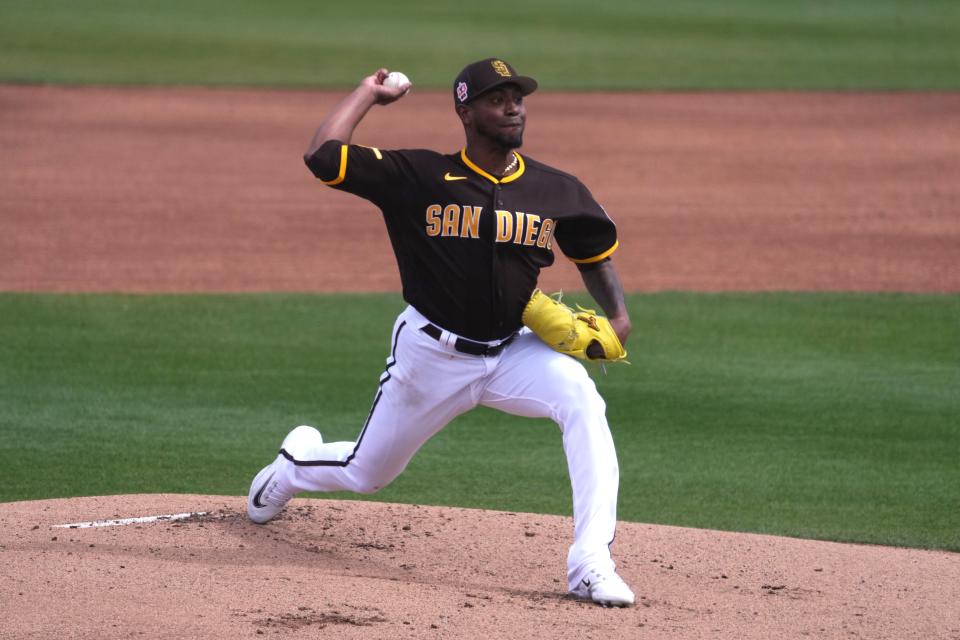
(471, 231)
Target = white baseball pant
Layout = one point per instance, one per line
(427, 383)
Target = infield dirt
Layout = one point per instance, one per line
(202, 190)
(194, 190)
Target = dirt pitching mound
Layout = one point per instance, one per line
(373, 570)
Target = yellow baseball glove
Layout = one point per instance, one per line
(569, 331)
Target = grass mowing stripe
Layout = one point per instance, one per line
(817, 415)
(617, 44)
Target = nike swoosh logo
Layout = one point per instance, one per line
(256, 498)
(450, 178)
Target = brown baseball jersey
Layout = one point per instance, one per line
(470, 245)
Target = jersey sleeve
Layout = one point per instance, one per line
(364, 171)
(589, 235)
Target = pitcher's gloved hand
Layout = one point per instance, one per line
(579, 333)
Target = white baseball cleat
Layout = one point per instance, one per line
(605, 588)
(270, 490)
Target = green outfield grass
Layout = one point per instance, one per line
(817, 415)
(612, 44)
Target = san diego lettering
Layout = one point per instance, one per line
(453, 220)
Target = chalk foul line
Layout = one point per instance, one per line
(124, 521)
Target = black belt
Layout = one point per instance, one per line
(469, 346)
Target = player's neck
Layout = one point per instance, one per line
(495, 161)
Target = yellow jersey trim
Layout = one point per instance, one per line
(343, 169)
(376, 151)
(605, 254)
(510, 178)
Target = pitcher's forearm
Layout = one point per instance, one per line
(345, 117)
(603, 283)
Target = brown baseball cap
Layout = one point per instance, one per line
(483, 75)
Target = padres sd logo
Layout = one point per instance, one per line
(501, 68)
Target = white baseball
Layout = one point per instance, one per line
(396, 79)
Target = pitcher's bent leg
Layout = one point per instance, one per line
(594, 478)
(377, 457)
(533, 380)
(420, 391)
